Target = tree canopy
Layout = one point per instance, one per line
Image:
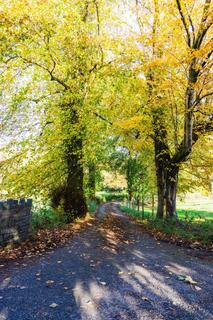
(84, 81)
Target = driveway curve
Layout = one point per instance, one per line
(110, 270)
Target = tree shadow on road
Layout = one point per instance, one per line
(104, 275)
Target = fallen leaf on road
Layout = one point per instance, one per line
(53, 305)
(186, 279)
(43, 240)
(145, 299)
(197, 288)
(7, 279)
(49, 282)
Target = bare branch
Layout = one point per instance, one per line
(140, 24)
(184, 22)
(52, 77)
(203, 64)
(192, 27)
(97, 15)
(198, 100)
(204, 127)
(102, 118)
(204, 113)
(203, 26)
(36, 100)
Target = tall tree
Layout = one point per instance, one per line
(168, 63)
(200, 50)
(55, 44)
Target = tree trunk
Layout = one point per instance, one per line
(138, 203)
(171, 191)
(129, 181)
(92, 181)
(153, 206)
(74, 200)
(162, 158)
(143, 205)
(161, 187)
(71, 194)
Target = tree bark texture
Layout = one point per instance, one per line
(91, 181)
(71, 195)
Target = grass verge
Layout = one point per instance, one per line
(47, 218)
(191, 228)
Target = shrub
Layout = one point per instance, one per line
(110, 196)
(47, 218)
(92, 205)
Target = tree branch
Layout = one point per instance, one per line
(50, 72)
(203, 29)
(102, 118)
(198, 100)
(192, 27)
(199, 128)
(184, 23)
(98, 16)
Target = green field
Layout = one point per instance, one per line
(194, 206)
(195, 220)
(183, 214)
(195, 214)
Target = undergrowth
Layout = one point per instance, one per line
(92, 205)
(47, 218)
(44, 217)
(110, 196)
(189, 226)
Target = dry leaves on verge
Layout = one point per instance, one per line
(42, 241)
(174, 239)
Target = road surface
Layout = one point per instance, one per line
(110, 270)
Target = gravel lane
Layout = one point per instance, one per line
(107, 273)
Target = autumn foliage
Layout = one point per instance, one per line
(80, 80)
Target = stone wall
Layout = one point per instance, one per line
(15, 220)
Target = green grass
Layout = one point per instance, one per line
(135, 213)
(193, 224)
(92, 205)
(185, 213)
(47, 218)
(44, 217)
(196, 202)
(109, 196)
(194, 214)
